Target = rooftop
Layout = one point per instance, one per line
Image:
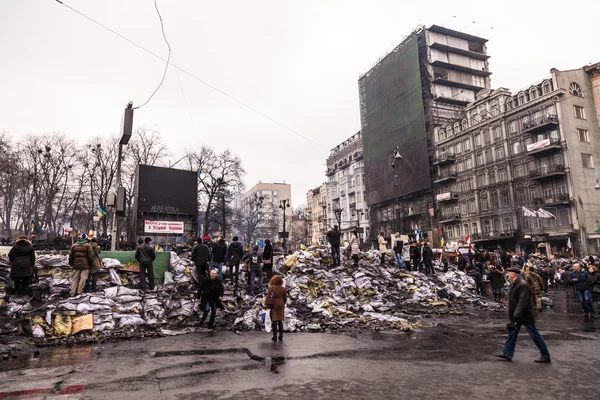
(457, 34)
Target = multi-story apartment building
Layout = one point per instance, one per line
(263, 201)
(345, 188)
(513, 153)
(316, 210)
(425, 82)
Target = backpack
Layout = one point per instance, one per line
(233, 259)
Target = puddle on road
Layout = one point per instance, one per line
(56, 357)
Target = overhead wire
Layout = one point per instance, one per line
(194, 76)
(162, 27)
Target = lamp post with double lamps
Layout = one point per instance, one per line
(395, 165)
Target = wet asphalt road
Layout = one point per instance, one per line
(450, 358)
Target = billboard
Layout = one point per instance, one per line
(392, 114)
(167, 190)
(166, 227)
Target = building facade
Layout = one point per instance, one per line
(263, 200)
(345, 188)
(424, 83)
(511, 155)
(316, 210)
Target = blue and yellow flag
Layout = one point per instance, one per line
(34, 227)
(100, 212)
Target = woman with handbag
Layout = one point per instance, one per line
(275, 301)
(268, 259)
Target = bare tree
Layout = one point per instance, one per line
(216, 172)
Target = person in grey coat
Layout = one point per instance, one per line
(520, 313)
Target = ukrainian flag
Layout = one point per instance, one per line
(100, 212)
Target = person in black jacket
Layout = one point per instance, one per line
(333, 237)
(234, 256)
(219, 251)
(427, 259)
(496, 278)
(210, 294)
(201, 258)
(520, 313)
(145, 256)
(22, 264)
(268, 259)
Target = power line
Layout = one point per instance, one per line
(187, 106)
(162, 27)
(193, 76)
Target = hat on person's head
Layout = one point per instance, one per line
(23, 237)
(83, 236)
(513, 269)
(147, 240)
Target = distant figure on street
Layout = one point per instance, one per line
(406, 255)
(22, 264)
(476, 275)
(268, 259)
(255, 269)
(520, 313)
(594, 286)
(333, 237)
(579, 279)
(210, 294)
(355, 248)
(497, 281)
(398, 247)
(275, 300)
(445, 260)
(145, 255)
(218, 252)
(428, 259)
(201, 258)
(81, 258)
(90, 284)
(234, 256)
(382, 246)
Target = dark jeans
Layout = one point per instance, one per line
(269, 271)
(534, 334)
(335, 253)
(211, 306)
(355, 258)
(545, 285)
(428, 267)
(446, 266)
(90, 284)
(256, 270)
(202, 271)
(21, 284)
(586, 302)
(234, 273)
(419, 265)
(146, 268)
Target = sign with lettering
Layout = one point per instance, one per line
(165, 227)
(538, 145)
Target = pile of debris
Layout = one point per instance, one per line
(372, 295)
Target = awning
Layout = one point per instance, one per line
(593, 235)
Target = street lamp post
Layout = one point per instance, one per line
(357, 213)
(395, 164)
(120, 199)
(338, 216)
(284, 204)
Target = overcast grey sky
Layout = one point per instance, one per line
(297, 62)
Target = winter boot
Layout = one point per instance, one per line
(274, 328)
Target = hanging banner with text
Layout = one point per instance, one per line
(163, 227)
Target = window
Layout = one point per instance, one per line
(546, 87)
(583, 135)
(486, 226)
(519, 171)
(499, 153)
(479, 159)
(533, 93)
(505, 200)
(456, 127)
(460, 166)
(575, 89)
(463, 208)
(512, 127)
(467, 145)
(497, 132)
(521, 198)
(587, 161)
(510, 103)
(495, 108)
(502, 176)
(477, 140)
(508, 223)
(484, 204)
(480, 180)
(449, 232)
(494, 197)
(441, 134)
(469, 163)
(470, 185)
(466, 229)
(516, 147)
(579, 112)
(458, 148)
(465, 124)
(472, 206)
(522, 98)
(449, 131)
(492, 177)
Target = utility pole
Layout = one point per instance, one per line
(284, 204)
(223, 213)
(119, 196)
(395, 164)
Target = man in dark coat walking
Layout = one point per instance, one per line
(234, 256)
(201, 258)
(520, 313)
(427, 259)
(210, 295)
(219, 250)
(22, 264)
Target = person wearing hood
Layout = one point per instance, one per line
(234, 256)
(268, 259)
(255, 261)
(275, 301)
(81, 258)
(520, 313)
(90, 284)
(210, 294)
(219, 251)
(145, 255)
(22, 264)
